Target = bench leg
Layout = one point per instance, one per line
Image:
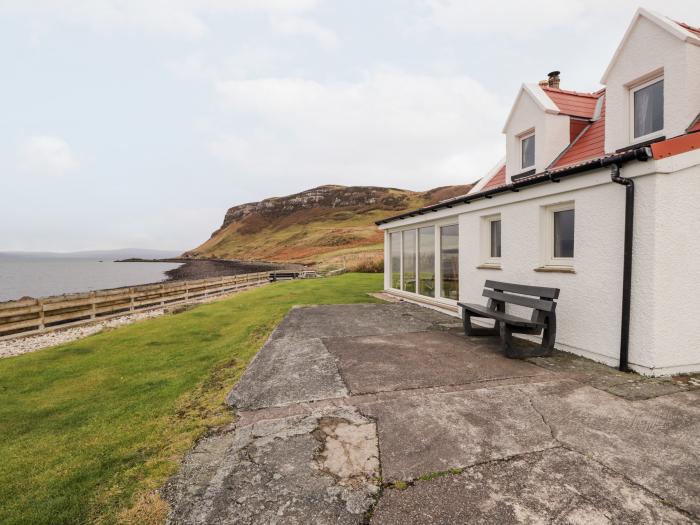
(549, 336)
(471, 330)
(507, 342)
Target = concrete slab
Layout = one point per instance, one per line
(288, 470)
(622, 384)
(421, 360)
(655, 443)
(557, 439)
(285, 371)
(424, 433)
(351, 320)
(554, 486)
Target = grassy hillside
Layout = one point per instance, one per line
(88, 429)
(330, 225)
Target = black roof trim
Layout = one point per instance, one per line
(642, 154)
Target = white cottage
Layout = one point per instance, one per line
(579, 169)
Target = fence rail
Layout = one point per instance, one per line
(29, 316)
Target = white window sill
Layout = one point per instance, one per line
(555, 269)
(489, 266)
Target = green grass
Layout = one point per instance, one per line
(89, 429)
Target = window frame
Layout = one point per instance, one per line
(399, 235)
(438, 258)
(437, 224)
(521, 141)
(631, 92)
(487, 261)
(549, 261)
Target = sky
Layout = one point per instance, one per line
(137, 123)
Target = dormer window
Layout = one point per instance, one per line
(647, 109)
(527, 151)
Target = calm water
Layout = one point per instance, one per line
(42, 277)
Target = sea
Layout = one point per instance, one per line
(44, 276)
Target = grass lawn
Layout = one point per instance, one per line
(88, 429)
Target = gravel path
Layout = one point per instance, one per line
(32, 343)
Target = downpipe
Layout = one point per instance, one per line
(627, 264)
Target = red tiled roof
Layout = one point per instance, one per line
(590, 144)
(573, 103)
(690, 28)
(499, 179)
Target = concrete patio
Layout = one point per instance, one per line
(389, 414)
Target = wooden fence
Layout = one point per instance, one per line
(27, 316)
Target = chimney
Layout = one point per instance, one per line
(553, 79)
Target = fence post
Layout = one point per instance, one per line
(93, 314)
(41, 314)
(132, 300)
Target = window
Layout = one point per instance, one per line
(559, 236)
(426, 261)
(495, 237)
(648, 108)
(527, 151)
(395, 242)
(449, 261)
(490, 243)
(409, 261)
(564, 234)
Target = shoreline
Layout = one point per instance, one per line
(192, 269)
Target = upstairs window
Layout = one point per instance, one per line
(648, 108)
(527, 151)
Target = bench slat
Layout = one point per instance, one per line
(482, 311)
(529, 302)
(539, 291)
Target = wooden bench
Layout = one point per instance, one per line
(543, 319)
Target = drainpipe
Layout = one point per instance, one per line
(627, 264)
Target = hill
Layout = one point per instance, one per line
(328, 225)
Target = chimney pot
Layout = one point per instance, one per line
(553, 79)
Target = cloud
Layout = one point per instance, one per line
(389, 128)
(298, 26)
(46, 156)
(535, 17)
(174, 18)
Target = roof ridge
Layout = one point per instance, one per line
(594, 94)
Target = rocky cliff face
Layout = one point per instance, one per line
(315, 225)
(328, 197)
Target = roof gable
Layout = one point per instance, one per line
(682, 31)
(537, 94)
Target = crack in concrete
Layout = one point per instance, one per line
(624, 476)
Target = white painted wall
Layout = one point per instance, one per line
(664, 338)
(551, 134)
(676, 268)
(650, 49)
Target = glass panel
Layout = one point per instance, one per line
(495, 238)
(395, 241)
(426, 261)
(449, 261)
(528, 151)
(409, 260)
(649, 109)
(564, 233)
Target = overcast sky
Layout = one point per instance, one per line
(137, 123)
